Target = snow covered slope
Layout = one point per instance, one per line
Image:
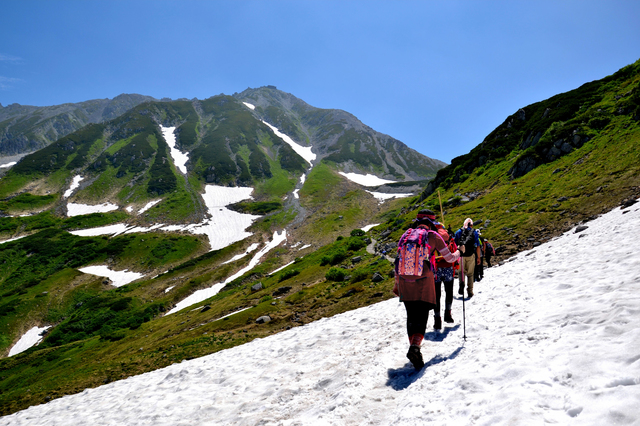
(553, 337)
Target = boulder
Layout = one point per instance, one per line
(580, 228)
(257, 287)
(263, 319)
(377, 277)
(281, 291)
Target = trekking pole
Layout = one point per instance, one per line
(464, 314)
(464, 322)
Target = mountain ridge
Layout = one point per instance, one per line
(25, 128)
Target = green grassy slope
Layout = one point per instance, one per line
(600, 169)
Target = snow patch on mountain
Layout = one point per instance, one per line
(112, 230)
(75, 183)
(282, 267)
(148, 206)
(29, 339)
(118, 278)
(12, 239)
(303, 151)
(250, 106)
(251, 248)
(224, 227)
(382, 196)
(74, 209)
(6, 165)
(369, 227)
(206, 293)
(366, 180)
(179, 158)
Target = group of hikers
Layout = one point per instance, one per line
(428, 257)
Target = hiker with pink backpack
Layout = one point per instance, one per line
(414, 277)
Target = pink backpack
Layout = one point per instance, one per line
(413, 250)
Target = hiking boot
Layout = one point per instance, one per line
(415, 357)
(469, 294)
(437, 323)
(461, 290)
(447, 316)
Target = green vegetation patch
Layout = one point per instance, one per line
(26, 202)
(257, 208)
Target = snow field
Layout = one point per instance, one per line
(552, 338)
(28, 339)
(366, 180)
(251, 248)
(223, 228)
(303, 151)
(7, 165)
(282, 267)
(179, 158)
(12, 239)
(203, 294)
(369, 227)
(74, 209)
(118, 278)
(373, 180)
(75, 183)
(383, 196)
(148, 206)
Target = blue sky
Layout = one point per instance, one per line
(437, 75)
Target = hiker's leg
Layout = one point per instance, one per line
(470, 262)
(438, 294)
(448, 292)
(417, 316)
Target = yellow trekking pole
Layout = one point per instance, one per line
(441, 211)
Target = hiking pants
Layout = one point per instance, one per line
(478, 273)
(448, 298)
(444, 275)
(488, 261)
(469, 268)
(417, 316)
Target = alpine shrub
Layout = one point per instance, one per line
(357, 233)
(356, 243)
(335, 274)
(333, 257)
(288, 274)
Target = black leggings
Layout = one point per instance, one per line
(448, 298)
(417, 316)
(478, 272)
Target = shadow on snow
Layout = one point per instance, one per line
(402, 378)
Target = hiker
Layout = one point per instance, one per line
(414, 277)
(468, 237)
(444, 274)
(489, 252)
